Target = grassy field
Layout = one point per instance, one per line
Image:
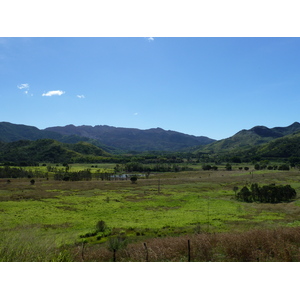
(42, 222)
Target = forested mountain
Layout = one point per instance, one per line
(131, 139)
(19, 143)
(285, 147)
(280, 149)
(14, 132)
(245, 139)
(25, 152)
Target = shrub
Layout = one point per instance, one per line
(206, 167)
(115, 244)
(133, 179)
(228, 167)
(101, 226)
(284, 168)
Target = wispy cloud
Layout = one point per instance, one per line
(53, 93)
(150, 39)
(23, 86)
(80, 96)
(135, 114)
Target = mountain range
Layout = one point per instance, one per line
(131, 139)
(109, 138)
(78, 141)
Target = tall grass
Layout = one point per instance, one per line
(27, 245)
(259, 245)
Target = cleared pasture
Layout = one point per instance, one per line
(164, 205)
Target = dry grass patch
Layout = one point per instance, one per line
(277, 245)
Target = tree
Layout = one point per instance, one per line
(115, 244)
(133, 179)
(235, 189)
(257, 167)
(267, 194)
(206, 167)
(100, 226)
(228, 167)
(244, 195)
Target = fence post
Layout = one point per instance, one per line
(189, 251)
(146, 248)
(114, 256)
(82, 250)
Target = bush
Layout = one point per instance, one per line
(284, 168)
(115, 244)
(133, 179)
(228, 167)
(206, 167)
(101, 226)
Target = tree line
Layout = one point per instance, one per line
(266, 194)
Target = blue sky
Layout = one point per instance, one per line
(201, 86)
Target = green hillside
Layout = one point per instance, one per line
(247, 139)
(280, 149)
(284, 147)
(47, 150)
(14, 132)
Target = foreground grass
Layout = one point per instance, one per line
(257, 245)
(50, 218)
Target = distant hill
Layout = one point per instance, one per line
(51, 151)
(284, 147)
(246, 139)
(14, 132)
(130, 139)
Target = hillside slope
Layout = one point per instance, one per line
(131, 139)
(47, 150)
(246, 139)
(15, 132)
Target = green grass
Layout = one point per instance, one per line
(61, 212)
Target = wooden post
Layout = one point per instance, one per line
(189, 251)
(207, 214)
(147, 254)
(82, 251)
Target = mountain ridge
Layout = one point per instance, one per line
(133, 139)
(247, 138)
(121, 140)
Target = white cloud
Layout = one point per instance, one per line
(23, 86)
(150, 39)
(53, 93)
(80, 96)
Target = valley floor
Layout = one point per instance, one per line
(156, 218)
